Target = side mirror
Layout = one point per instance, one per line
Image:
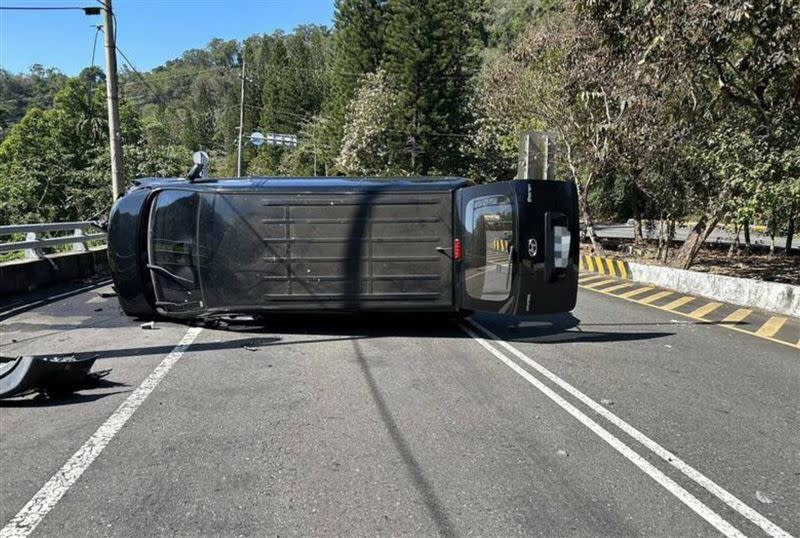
(200, 157)
(200, 168)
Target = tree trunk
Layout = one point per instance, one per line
(583, 196)
(735, 244)
(661, 232)
(670, 237)
(638, 237)
(686, 255)
(583, 199)
(789, 236)
(772, 225)
(747, 245)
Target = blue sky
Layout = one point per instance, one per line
(150, 31)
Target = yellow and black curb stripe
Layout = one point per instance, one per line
(605, 266)
(610, 276)
(501, 244)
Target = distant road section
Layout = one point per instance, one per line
(719, 235)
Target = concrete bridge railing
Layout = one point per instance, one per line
(85, 257)
(34, 243)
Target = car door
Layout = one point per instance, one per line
(519, 247)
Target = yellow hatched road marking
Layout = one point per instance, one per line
(610, 264)
(713, 306)
(617, 287)
(737, 316)
(704, 310)
(772, 326)
(655, 297)
(600, 283)
(677, 303)
(634, 293)
(589, 264)
(591, 277)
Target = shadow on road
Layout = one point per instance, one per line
(372, 324)
(261, 332)
(547, 329)
(198, 347)
(68, 396)
(563, 329)
(45, 401)
(17, 304)
(423, 486)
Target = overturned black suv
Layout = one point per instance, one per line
(187, 248)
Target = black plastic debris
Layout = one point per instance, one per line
(46, 375)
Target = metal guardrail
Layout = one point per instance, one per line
(34, 243)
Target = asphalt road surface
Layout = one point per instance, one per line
(617, 420)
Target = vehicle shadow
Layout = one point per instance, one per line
(41, 400)
(17, 304)
(144, 351)
(546, 329)
(69, 395)
(266, 331)
(558, 329)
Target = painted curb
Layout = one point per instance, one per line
(770, 296)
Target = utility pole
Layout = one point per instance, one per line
(241, 125)
(114, 134)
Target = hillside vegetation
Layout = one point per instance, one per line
(669, 110)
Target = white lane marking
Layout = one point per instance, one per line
(687, 498)
(718, 491)
(46, 498)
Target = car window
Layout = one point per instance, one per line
(489, 241)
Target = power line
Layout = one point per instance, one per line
(44, 8)
(94, 50)
(141, 77)
(158, 76)
(94, 45)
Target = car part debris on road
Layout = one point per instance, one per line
(149, 326)
(47, 375)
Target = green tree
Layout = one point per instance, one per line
(292, 91)
(725, 67)
(430, 58)
(55, 164)
(366, 147)
(18, 93)
(358, 27)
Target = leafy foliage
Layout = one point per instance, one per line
(670, 110)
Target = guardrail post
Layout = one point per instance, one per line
(79, 246)
(33, 253)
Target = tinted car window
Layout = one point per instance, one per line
(489, 241)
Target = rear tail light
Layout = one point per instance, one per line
(457, 249)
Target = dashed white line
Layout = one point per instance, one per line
(48, 496)
(718, 491)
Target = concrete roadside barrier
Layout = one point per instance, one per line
(770, 296)
(23, 276)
